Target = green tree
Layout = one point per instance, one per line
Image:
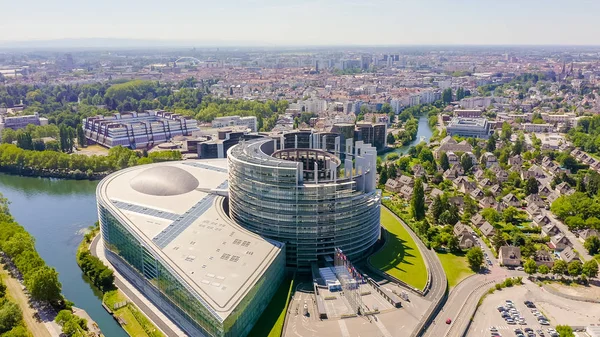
(466, 162)
(10, 316)
(475, 258)
(574, 268)
(506, 132)
(543, 269)
(453, 244)
(437, 208)
(592, 244)
(444, 162)
(81, 141)
(510, 214)
(447, 96)
(383, 176)
(530, 266)
(491, 215)
(25, 141)
(44, 285)
(564, 331)
(491, 143)
(531, 186)
(418, 201)
(391, 139)
(560, 267)
(590, 268)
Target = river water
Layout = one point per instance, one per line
(424, 133)
(56, 212)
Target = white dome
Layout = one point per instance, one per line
(164, 181)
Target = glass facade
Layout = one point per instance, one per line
(131, 250)
(268, 197)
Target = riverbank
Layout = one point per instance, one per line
(52, 173)
(131, 319)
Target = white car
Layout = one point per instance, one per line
(493, 329)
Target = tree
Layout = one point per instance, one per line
(10, 316)
(44, 285)
(574, 268)
(383, 176)
(466, 162)
(590, 268)
(418, 201)
(475, 258)
(543, 269)
(391, 139)
(491, 143)
(506, 132)
(25, 141)
(565, 331)
(531, 186)
(453, 244)
(498, 240)
(560, 267)
(592, 244)
(444, 162)
(491, 215)
(81, 141)
(447, 96)
(437, 208)
(530, 266)
(510, 214)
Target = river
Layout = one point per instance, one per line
(424, 132)
(56, 212)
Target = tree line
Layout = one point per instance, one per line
(19, 246)
(100, 275)
(50, 163)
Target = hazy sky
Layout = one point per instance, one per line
(308, 22)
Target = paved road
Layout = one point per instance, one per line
(577, 245)
(139, 303)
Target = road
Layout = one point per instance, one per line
(15, 291)
(577, 245)
(139, 303)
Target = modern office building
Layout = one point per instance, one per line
(227, 121)
(165, 227)
(374, 134)
(137, 130)
(303, 198)
(469, 127)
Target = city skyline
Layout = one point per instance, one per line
(310, 23)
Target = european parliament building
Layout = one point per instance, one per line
(209, 241)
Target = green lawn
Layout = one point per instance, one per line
(456, 267)
(270, 323)
(400, 256)
(134, 326)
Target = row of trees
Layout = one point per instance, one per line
(13, 158)
(41, 280)
(100, 275)
(560, 268)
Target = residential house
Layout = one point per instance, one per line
(487, 229)
(477, 194)
(489, 159)
(511, 200)
(564, 188)
(515, 161)
(392, 185)
(466, 240)
(459, 228)
(550, 230)
(496, 190)
(551, 198)
(586, 233)
(406, 192)
(458, 201)
(486, 183)
(501, 175)
(477, 220)
(418, 171)
(534, 171)
(450, 174)
(559, 242)
(509, 256)
(544, 257)
(479, 174)
(568, 255)
(452, 158)
(406, 181)
(542, 220)
(458, 168)
(535, 199)
(448, 144)
(533, 210)
(544, 190)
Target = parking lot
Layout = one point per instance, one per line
(556, 310)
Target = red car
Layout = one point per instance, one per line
(448, 321)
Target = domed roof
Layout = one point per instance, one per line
(164, 181)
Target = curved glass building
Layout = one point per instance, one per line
(306, 197)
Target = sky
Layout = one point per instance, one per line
(308, 22)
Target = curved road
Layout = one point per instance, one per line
(139, 303)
